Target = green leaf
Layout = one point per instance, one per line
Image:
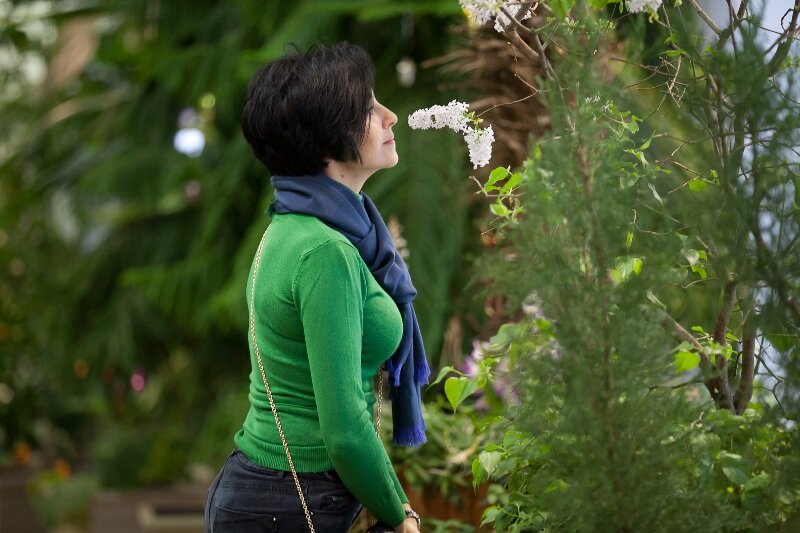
(499, 208)
(700, 271)
(654, 299)
(734, 467)
(561, 8)
(496, 175)
(686, 361)
(698, 329)
(637, 265)
(512, 182)
(655, 194)
(442, 373)
(505, 335)
(693, 256)
(489, 461)
(697, 185)
(491, 514)
(478, 473)
(457, 389)
(757, 482)
(629, 239)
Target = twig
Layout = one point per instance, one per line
(706, 18)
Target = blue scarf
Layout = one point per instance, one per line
(341, 209)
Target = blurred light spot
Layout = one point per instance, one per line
(207, 101)
(190, 141)
(65, 221)
(62, 469)
(6, 394)
(137, 381)
(192, 190)
(81, 368)
(17, 267)
(22, 453)
(406, 72)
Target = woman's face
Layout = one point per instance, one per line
(378, 149)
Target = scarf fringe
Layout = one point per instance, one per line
(410, 437)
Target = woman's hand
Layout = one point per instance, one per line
(409, 525)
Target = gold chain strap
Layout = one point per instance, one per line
(269, 391)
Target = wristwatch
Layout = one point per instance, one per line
(410, 513)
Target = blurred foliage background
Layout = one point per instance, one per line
(122, 316)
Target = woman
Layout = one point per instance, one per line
(330, 302)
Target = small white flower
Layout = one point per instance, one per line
(637, 6)
(479, 142)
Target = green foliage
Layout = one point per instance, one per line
(651, 240)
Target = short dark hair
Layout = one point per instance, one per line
(307, 107)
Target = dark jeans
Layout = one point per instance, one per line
(246, 497)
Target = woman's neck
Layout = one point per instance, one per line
(348, 174)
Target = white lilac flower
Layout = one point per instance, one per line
(455, 116)
(452, 115)
(637, 6)
(480, 11)
(479, 142)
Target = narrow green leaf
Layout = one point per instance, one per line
(478, 473)
(655, 194)
(654, 299)
(442, 373)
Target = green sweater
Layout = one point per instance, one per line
(324, 326)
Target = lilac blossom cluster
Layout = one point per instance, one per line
(501, 386)
(482, 11)
(455, 116)
(637, 6)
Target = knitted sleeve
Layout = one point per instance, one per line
(329, 291)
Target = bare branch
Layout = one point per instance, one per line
(724, 317)
(705, 16)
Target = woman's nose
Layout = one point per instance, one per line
(390, 119)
